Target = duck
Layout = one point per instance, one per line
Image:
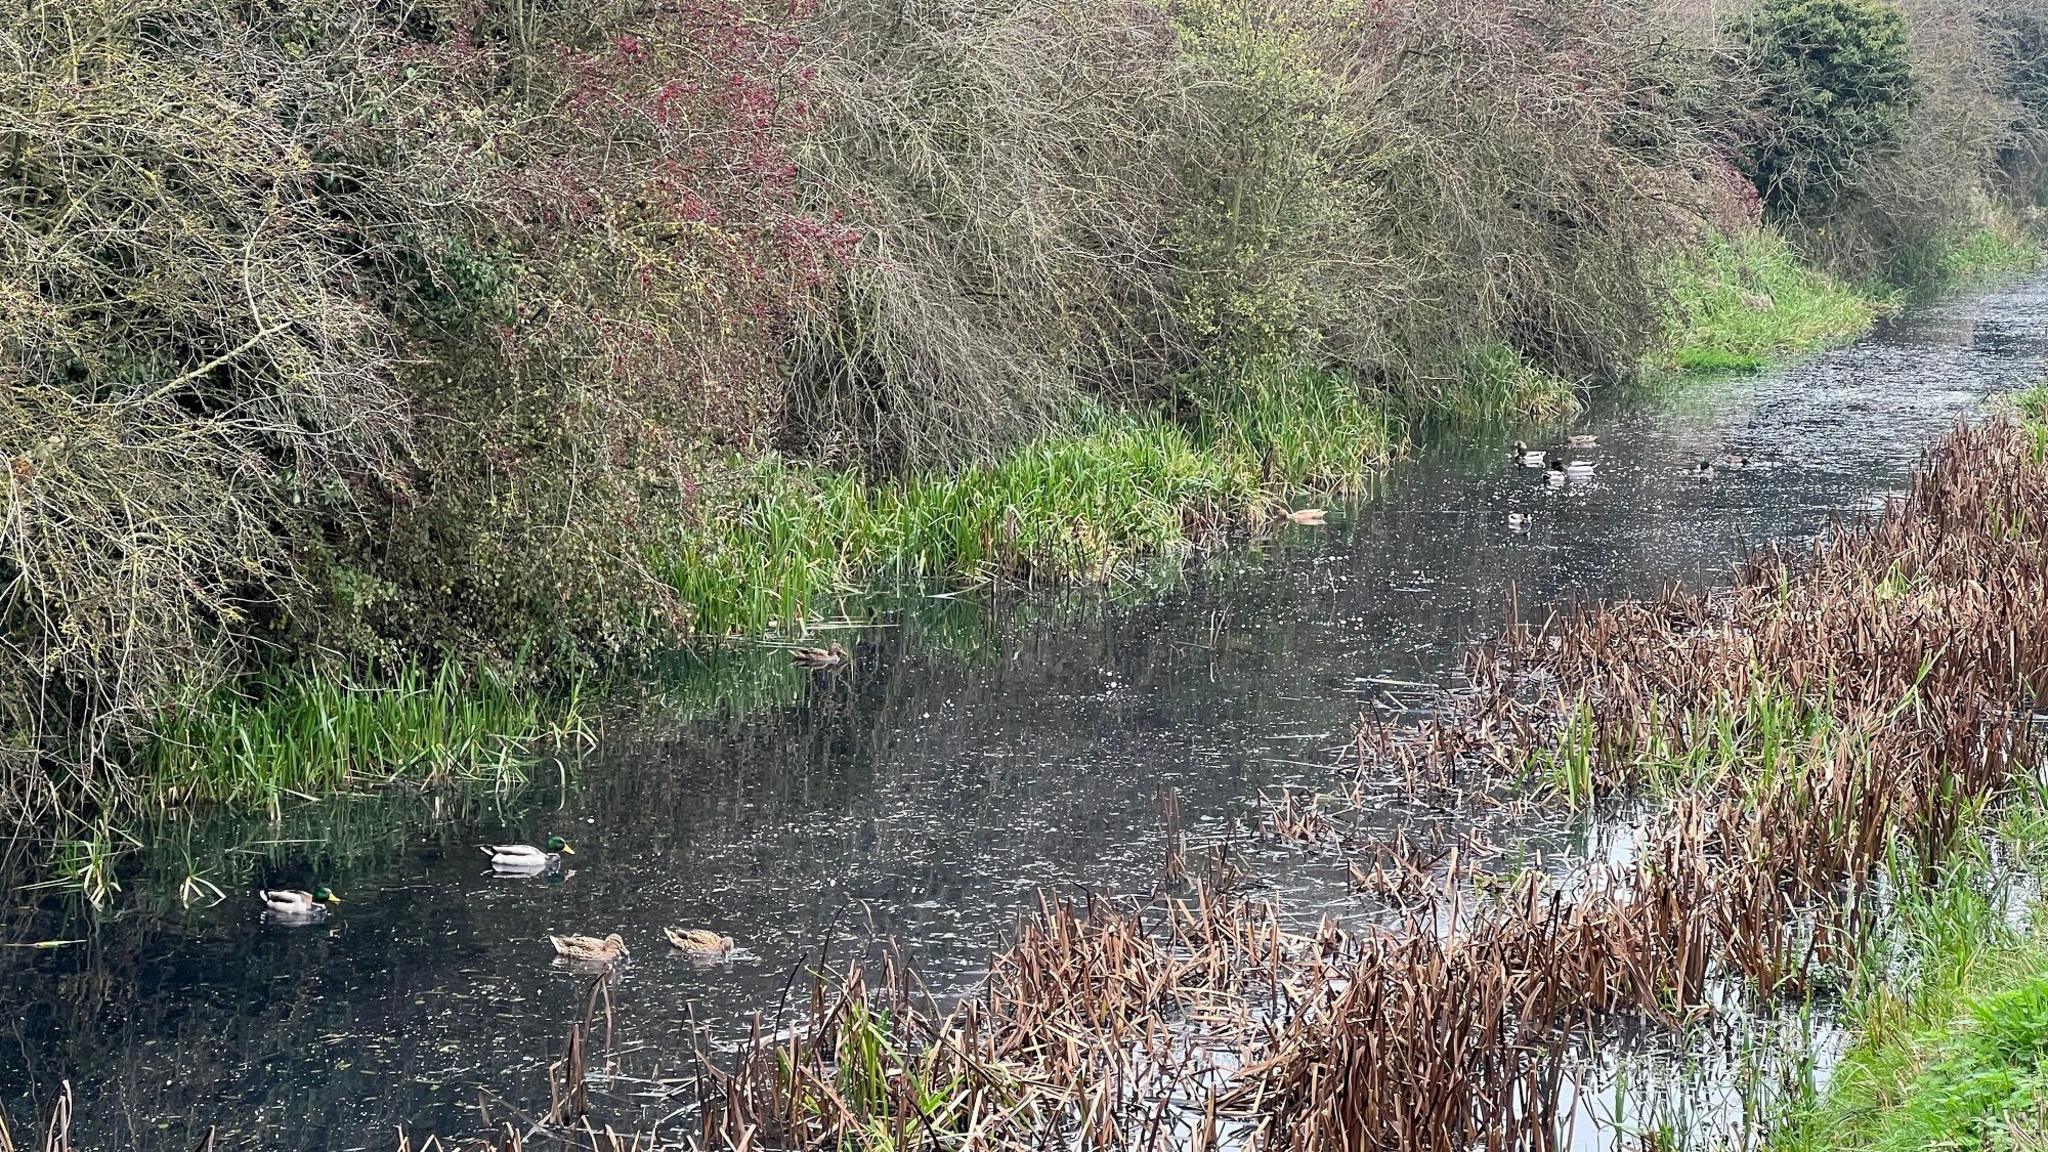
(1529, 457)
(820, 658)
(1311, 517)
(699, 941)
(1555, 475)
(1518, 522)
(1583, 440)
(1573, 469)
(527, 858)
(607, 950)
(1704, 469)
(294, 903)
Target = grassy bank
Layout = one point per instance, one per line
(570, 335)
(1740, 304)
(782, 540)
(778, 544)
(1950, 1015)
(303, 734)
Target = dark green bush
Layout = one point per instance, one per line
(1835, 86)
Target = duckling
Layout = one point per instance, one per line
(819, 658)
(527, 858)
(290, 903)
(1309, 517)
(1583, 441)
(589, 948)
(699, 941)
(1529, 457)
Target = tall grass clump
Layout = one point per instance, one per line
(303, 734)
(1110, 490)
(1739, 303)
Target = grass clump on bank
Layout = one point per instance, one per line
(1739, 304)
(1951, 1020)
(305, 733)
(781, 541)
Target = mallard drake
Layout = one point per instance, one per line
(1518, 522)
(1573, 469)
(833, 657)
(1312, 517)
(589, 947)
(527, 858)
(304, 905)
(1583, 440)
(699, 941)
(1529, 457)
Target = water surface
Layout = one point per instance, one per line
(975, 755)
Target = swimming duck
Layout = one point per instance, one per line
(1312, 517)
(820, 658)
(1704, 469)
(1529, 457)
(1583, 441)
(291, 902)
(699, 941)
(1517, 522)
(527, 858)
(1574, 469)
(589, 947)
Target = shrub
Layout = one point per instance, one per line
(371, 331)
(194, 378)
(1012, 168)
(1835, 86)
(1508, 173)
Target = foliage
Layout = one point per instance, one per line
(1509, 173)
(1737, 305)
(193, 380)
(526, 340)
(1951, 1048)
(780, 540)
(1010, 167)
(1835, 84)
(303, 733)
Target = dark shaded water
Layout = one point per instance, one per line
(971, 758)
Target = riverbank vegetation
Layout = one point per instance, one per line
(348, 338)
(1830, 780)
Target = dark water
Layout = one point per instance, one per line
(973, 756)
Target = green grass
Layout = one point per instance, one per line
(1990, 255)
(1950, 1016)
(1742, 304)
(782, 541)
(303, 733)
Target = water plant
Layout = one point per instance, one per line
(307, 732)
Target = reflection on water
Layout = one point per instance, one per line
(972, 756)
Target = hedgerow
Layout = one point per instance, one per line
(366, 336)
